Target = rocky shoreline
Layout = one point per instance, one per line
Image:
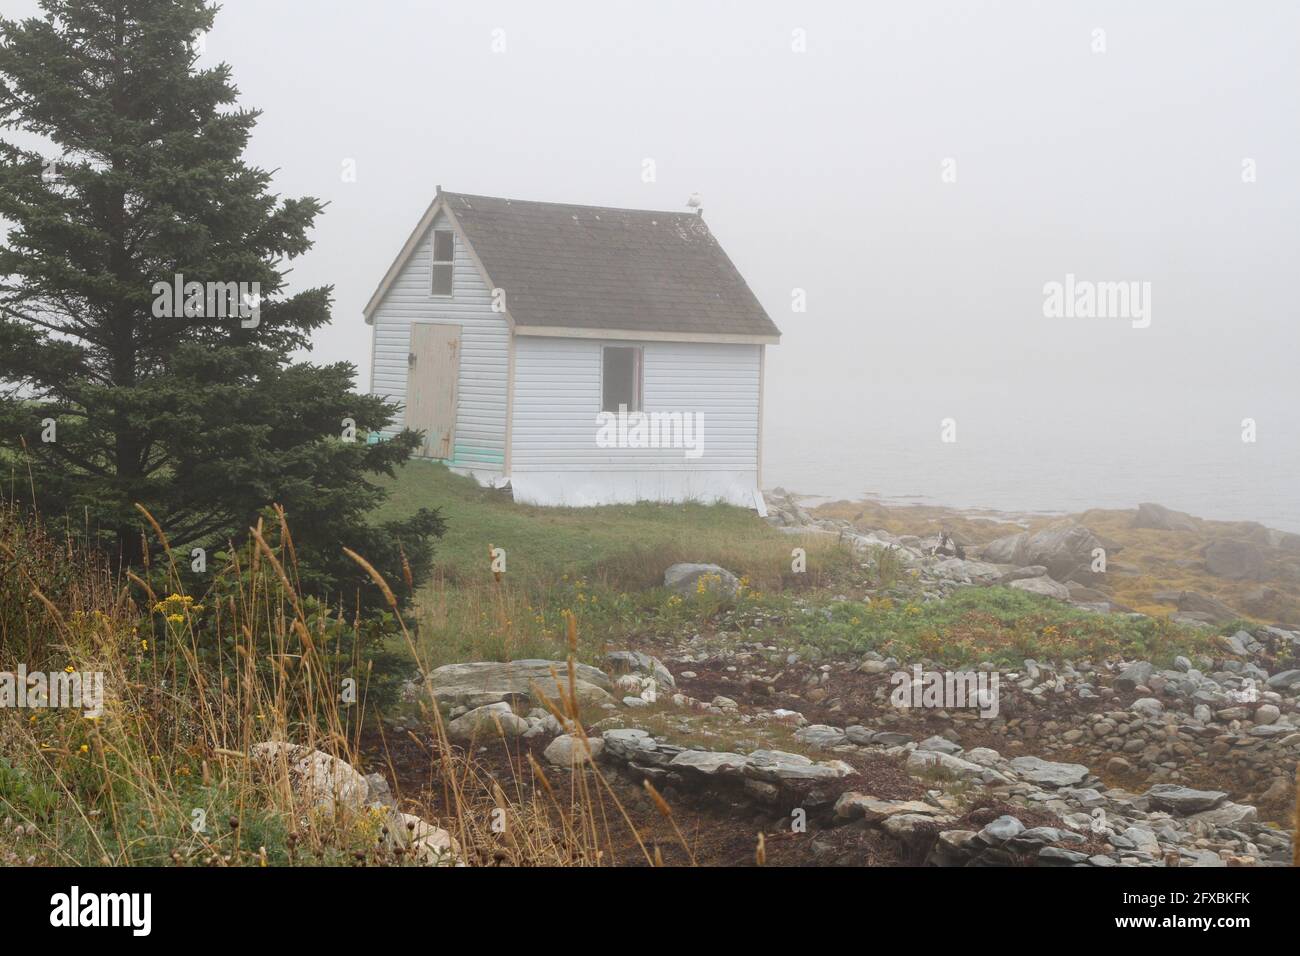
(1096, 763)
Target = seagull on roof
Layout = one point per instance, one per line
(695, 202)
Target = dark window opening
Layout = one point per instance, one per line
(621, 379)
(444, 248)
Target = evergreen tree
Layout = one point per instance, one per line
(191, 407)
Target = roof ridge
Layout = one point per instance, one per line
(571, 205)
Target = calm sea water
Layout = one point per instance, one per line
(1018, 452)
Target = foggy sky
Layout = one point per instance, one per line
(822, 171)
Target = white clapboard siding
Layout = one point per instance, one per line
(481, 420)
(558, 396)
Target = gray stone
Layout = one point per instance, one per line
(487, 722)
(1048, 773)
(1240, 643)
(853, 804)
(921, 761)
(1017, 574)
(857, 734)
(889, 738)
(426, 844)
(1044, 586)
(940, 745)
(629, 743)
(1183, 800)
(1160, 518)
(567, 750)
(1002, 829)
(1203, 608)
(685, 578)
(1284, 680)
(379, 794)
(1228, 814)
(777, 766)
(1236, 560)
(1064, 549)
(480, 683)
(1086, 797)
(1142, 839)
(312, 776)
(1036, 836)
(1056, 855)
(635, 662)
(1267, 714)
(820, 735)
(1147, 706)
(904, 825)
(1007, 550)
(1134, 674)
(710, 763)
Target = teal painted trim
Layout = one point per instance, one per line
(469, 455)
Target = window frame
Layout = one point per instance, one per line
(434, 262)
(638, 383)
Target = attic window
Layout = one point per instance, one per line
(621, 378)
(444, 247)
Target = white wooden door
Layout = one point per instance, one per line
(433, 374)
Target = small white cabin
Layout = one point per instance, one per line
(579, 354)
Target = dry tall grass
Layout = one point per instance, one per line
(194, 682)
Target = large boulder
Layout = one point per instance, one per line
(853, 804)
(310, 777)
(1064, 548)
(1160, 518)
(426, 844)
(486, 723)
(1205, 608)
(489, 682)
(976, 572)
(778, 766)
(628, 743)
(1044, 586)
(1183, 800)
(691, 578)
(1284, 680)
(1236, 560)
(568, 751)
(1134, 674)
(1048, 773)
(1227, 814)
(1006, 550)
(710, 763)
(921, 762)
(635, 662)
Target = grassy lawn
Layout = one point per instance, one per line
(603, 569)
(627, 544)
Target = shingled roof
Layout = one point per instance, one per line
(594, 267)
